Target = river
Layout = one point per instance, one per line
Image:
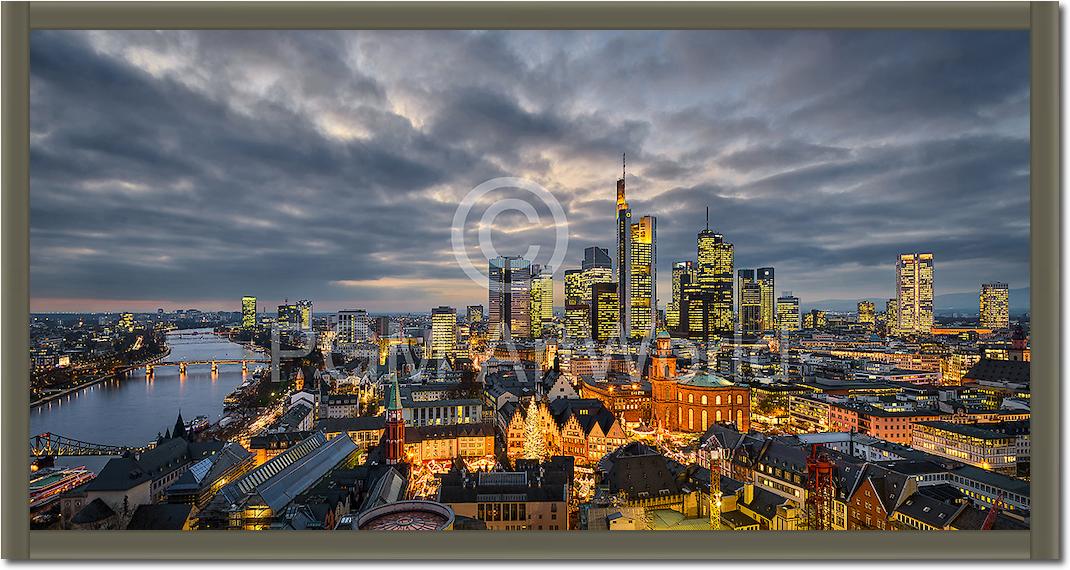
(131, 411)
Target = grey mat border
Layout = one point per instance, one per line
(1041, 18)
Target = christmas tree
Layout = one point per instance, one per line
(534, 446)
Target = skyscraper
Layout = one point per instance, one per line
(995, 305)
(891, 317)
(787, 309)
(577, 316)
(750, 306)
(248, 312)
(624, 235)
(288, 317)
(304, 309)
(443, 332)
(767, 286)
(681, 271)
(475, 314)
(126, 322)
(914, 293)
(596, 267)
(542, 299)
(643, 274)
(744, 277)
(697, 315)
(815, 319)
(605, 311)
(714, 277)
(867, 314)
(595, 257)
(353, 326)
(510, 298)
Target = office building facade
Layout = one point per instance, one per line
(605, 311)
(353, 326)
(248, 312)
(766, 281)
(682, 271)
(542, 300)
(443, 332)
(509, 307)
(787, 308)
(995, 306)
(867, 314)
(643, 275)
(914, 293)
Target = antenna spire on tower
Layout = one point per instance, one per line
(623, 164)
(707, 218)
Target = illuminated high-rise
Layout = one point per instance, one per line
(443, 332)
(304, 309)
(867, 314)
(577, 315)
(475, 314)
(714, 275)
(696, 310)
(353, 326)
(248, 312)
(510, 298)
(815, 319)
(596, 267)
(642, 289)
(748, 301)
(914, 293)
(750, 306)
(995, 305)
(126, 322)
(288, 317)
(605, 311)
(624, 236)
(681, 271)
(767, 285)
(787, 310)
(891, 316)
(542, 299)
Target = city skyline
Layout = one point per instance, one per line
(339, 186)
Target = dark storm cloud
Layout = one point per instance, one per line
(195, 167)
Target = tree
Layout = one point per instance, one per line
(534, 444)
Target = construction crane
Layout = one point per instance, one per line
(993, 512)
(715, 489)
(819, 490)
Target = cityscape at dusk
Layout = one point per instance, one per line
(530, 280)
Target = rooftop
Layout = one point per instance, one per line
(705, 379)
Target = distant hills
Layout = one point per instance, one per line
(965, 302)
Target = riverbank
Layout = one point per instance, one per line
(100, 379)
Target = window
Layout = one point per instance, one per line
(704, 400)
(718, 400)
(691, 418)
(718, 415)
(690, 398)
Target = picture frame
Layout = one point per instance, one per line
(1040, 18)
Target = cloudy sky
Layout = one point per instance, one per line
(185, 169)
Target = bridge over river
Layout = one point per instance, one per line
(127, 413)
(183, 365)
